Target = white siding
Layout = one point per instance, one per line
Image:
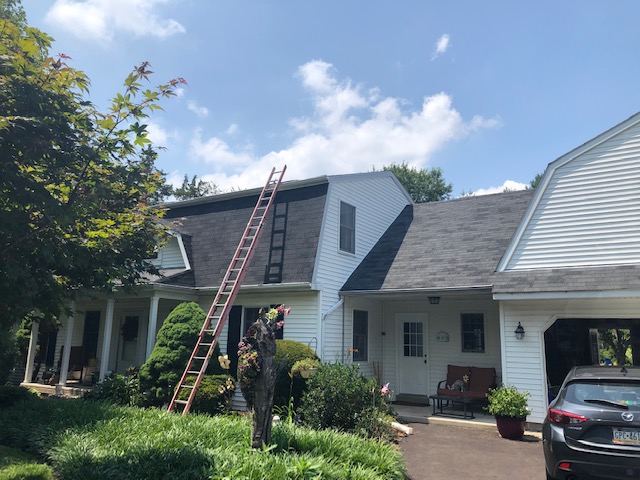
(589, 213)
(524, 360)
(375, 329)
(300, 325)
(378, 201)
(170, 255)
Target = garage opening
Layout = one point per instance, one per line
(577, 341)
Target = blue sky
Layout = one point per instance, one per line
(490, 92)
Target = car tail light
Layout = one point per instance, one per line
(564, 418)
(566, 466)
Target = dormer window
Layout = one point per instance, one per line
(347, 228)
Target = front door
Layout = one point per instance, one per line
(411, 357)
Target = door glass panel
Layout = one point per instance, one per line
(413, 339)
(130, 337)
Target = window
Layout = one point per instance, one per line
(413, 339)
(472, 332)
(347, 228)
(360, 335)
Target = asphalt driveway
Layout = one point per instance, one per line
(437, 452)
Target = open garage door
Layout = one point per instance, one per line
(578, 341)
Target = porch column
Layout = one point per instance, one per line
(31, 354)
(66, 353)
(106, 338)
(153, 325)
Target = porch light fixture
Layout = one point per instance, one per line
(434, 300)
(519, 331)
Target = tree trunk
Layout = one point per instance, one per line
(264, 387)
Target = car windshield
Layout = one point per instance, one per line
(616, 394)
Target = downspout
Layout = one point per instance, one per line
(329, 312)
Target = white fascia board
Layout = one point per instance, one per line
(290, 287)
(567, 295)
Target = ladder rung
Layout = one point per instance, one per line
(188, 386)
(193, 372)
(181, 402)
(199, 358)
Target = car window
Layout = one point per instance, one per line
(623, 393)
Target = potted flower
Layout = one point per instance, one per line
(305, 367)
(510, 407)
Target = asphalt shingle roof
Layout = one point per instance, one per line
(215, 228)
(450, 244)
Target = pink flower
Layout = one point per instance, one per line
(384, 391)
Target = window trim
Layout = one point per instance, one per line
(483, 347)
(348, 228)
(356, 355)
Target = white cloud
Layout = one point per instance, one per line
(510, 185)
(202, 112)
(233, 129)
(441, 46)
(351, 130)
(157, 134)
(101, 20)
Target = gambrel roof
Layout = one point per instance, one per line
(214, 226)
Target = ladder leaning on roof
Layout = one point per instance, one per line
(223, 301)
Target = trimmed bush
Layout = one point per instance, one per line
(174, 343)
(213, 395)
(288, 352)
(338, 396)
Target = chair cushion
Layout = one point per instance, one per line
(456, 372)
(482, 379)
(450, 393)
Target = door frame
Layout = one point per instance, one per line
(399, 318)
(140, 340)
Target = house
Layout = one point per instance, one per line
(405, 289)
(317, 233)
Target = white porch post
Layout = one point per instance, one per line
(106, 338)
(31, 354)
(153, 325)
(68, 336)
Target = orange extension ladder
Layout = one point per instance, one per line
(223, 301)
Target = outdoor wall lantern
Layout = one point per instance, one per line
(519, 332)
(434, 300)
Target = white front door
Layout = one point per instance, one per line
(128, 342)
(411, 354)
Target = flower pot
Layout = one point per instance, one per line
(511, 428)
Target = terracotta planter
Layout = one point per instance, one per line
(511, 428)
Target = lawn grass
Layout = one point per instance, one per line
(18, 465)
(100, 441)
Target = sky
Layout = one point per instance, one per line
(490, 92)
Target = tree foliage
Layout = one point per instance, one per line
(535, 182)
(76, 184)
(423, 185)
(194, 188)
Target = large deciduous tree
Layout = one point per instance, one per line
(194, 188)
(423, 185)
(76, 184)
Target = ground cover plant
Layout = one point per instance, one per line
(98, 440)
(18, 465)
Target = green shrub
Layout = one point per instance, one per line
(119, 389)
(507, 401)
(8, 354)
(338, 396)
(174, 343)
(213, 396)
(10, 394)
(288, 352)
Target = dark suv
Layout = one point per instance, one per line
(592, 429)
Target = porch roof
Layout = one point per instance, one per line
(442, 245)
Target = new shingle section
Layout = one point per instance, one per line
(215, 229)
(441, 245)
(559, 280)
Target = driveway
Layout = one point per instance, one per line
(437, 452)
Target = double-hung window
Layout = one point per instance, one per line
(472, 325)
(347, 228)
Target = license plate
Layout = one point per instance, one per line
(626, 436)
